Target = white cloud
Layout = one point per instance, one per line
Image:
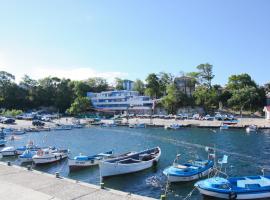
(36, 70)
(76, 73)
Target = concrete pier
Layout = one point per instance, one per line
(19, 183)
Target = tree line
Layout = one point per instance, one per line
(240, 93)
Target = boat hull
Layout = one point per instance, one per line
(115, 168)
(24, 160)
(76, 164)
(238, 195)
(8, 153)
(173, 178)
(49, 159)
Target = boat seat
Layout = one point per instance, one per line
(181, 166)
(262, 182)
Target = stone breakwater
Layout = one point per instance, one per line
(242, 123)
(19, 183)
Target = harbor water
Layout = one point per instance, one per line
(248, 153)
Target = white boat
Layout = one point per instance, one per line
(8, 151)
(49, 155)
(247, 187)
(130, 163)
(77, 126)
(83, 161)
(27, 156)
(18, 132)
(62, 127)
(30, 146)
(173, 126)
(251, 128)
(188, 171)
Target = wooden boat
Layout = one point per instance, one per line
(131, 163)
(188, 171)
(27, 156)
(49, 155)
(83, 161)
(248, 187)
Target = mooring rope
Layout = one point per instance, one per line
(190, 194)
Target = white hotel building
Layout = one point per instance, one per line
(121, 101)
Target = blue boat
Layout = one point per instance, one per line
(248, 187)
(27, 156)
(188, 171)
(30, 146)
(83, 161)
(3, 142)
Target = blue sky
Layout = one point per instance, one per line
(129, 39)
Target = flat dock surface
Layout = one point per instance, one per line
(19, 183)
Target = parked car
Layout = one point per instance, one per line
(7, 120)
(37, 123)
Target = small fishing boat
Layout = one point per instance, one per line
(49, 155)
(27, 156)
(248, 187)
(133, 162)
(18, 132)
(8, 151)
(82, 161)
(77, 126)
(188, 171)
(62, 127)
(173, 126)
(108, 125)
(137, 125)
(30, 146)
(8, 131)
(251, 128)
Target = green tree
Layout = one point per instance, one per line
(206, 74)
(239, 86)
(152, 86)
(80, 106)
(207, 98)
(174, 99)
(242, 98)
(267, 87)
(240, 81)
(64, 95)
(139, 86)
(80, 88)
(97, 84)
(119, 84)
(165, 79)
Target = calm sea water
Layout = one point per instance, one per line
(248, 153)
